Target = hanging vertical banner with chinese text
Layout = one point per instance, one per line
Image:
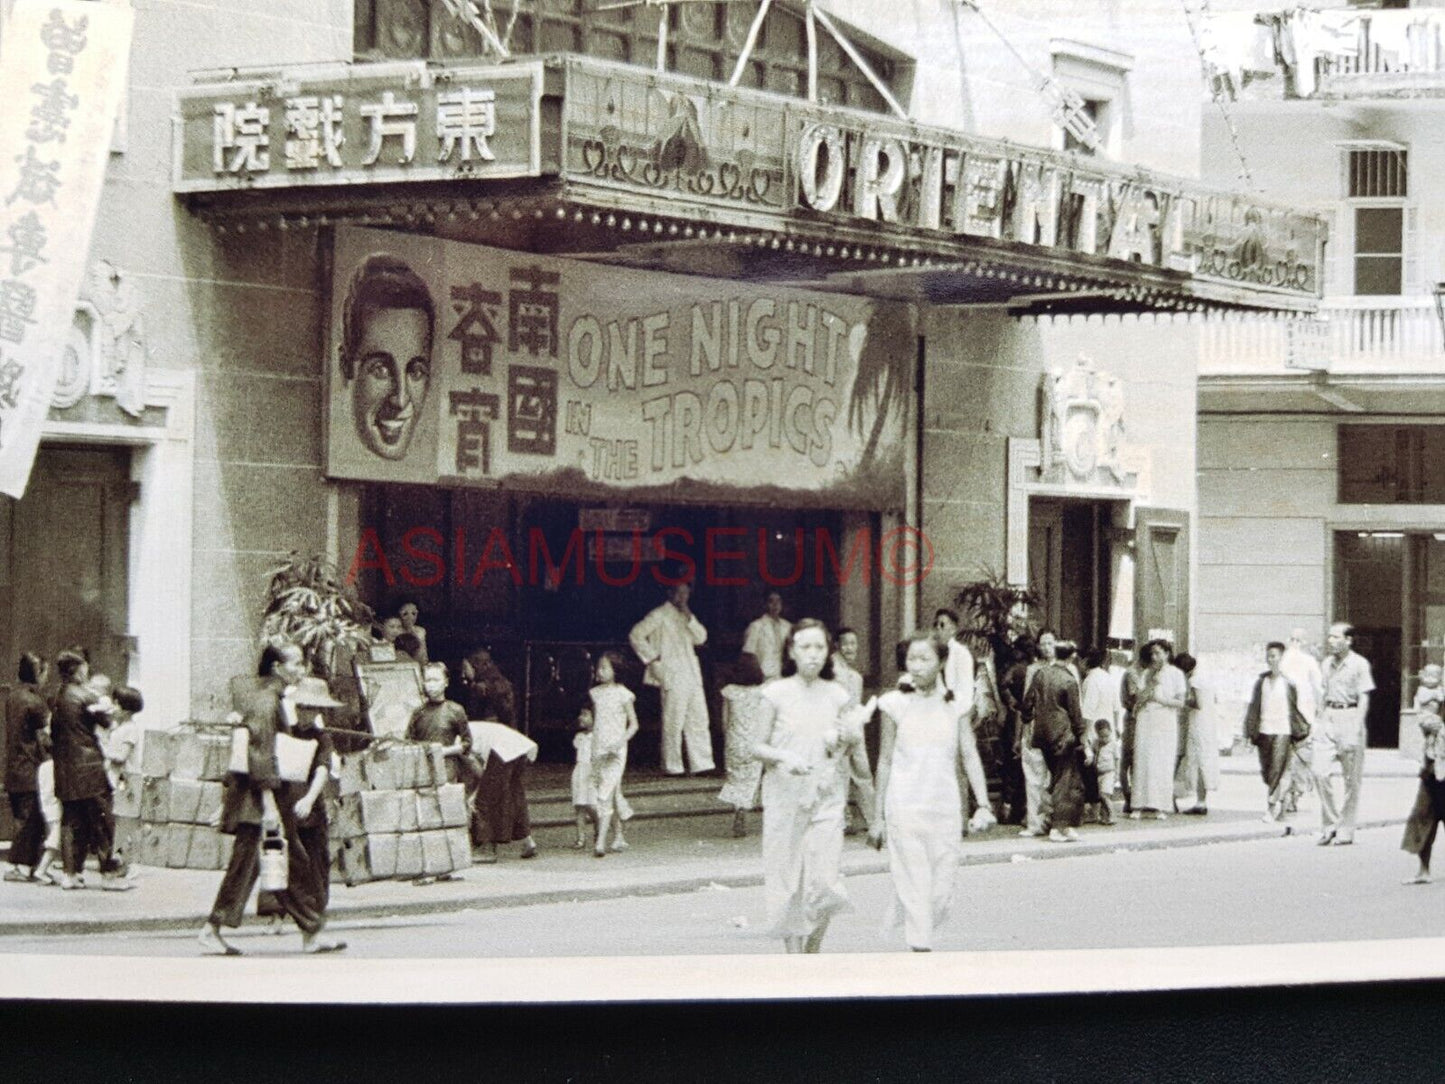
(62, 73)
(459, 364)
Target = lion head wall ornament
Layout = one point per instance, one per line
(1083, 426)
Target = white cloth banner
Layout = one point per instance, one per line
(62, 73)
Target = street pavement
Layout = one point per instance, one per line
(1280, 890)
(686, 885)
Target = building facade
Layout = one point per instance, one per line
(1317, 491)
(954, 321)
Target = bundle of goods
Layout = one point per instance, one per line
(167, 812)
(398, 815)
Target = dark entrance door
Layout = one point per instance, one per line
(63, 567)
(63, 561)
(1369, 593)
(1069, 567)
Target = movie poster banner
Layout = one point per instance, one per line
(459, 364)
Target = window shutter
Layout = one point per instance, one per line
(1411, 248)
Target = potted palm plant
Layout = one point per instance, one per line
(309, 604)
(987, 605)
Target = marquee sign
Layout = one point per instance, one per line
(461, 364)
(621, 136)
(378, 123)
(759, 154)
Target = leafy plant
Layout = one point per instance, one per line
(985, 606)
(310, 605)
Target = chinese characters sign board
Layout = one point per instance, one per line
(468, 365)
(62, 72)
(365, 124)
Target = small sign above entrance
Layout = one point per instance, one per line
(622, 520)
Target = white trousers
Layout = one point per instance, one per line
(684, 716)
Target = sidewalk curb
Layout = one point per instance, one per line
(864, 866)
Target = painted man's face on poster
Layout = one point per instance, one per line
(393, 376)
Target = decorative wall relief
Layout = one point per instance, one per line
(118, 335)
(1084, 439)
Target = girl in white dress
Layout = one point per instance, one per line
(924, 740)
(812, 730)
(615, 723)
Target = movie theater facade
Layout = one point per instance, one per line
(525, 341)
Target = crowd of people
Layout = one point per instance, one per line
(68, 744)
(1072, 736)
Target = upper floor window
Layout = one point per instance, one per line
(703, 40)
(1391, 464)
(1099, 77)
(1379, 219)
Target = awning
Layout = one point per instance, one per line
(575, 156)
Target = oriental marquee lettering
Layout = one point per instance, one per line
(984, 192)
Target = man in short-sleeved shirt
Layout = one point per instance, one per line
(766, 637)
(1340, 735)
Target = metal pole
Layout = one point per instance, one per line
(863, 65)
(811, 23)
(752, 41)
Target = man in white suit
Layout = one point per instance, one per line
(666, 641)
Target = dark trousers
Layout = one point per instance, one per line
(298, 900)
(1066, 788)
(1011, 774)
(29, 841)
(316, 842)
(87, 826)
(1425, 817)
(1273, 762)
(1126, 764)
(500, 811)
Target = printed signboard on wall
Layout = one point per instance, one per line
(460, 364)
(359, 124)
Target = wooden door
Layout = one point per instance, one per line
(1046, 558)
(66, 558)
(1161, 576)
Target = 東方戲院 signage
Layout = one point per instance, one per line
(461, 364)
(672, 145)
(363, 124)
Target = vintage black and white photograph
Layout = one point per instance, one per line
(570, 500)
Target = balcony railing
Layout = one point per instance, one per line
(1365, 335)
(1335, 53)
(1408, 44)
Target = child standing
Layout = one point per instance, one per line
(122, 749)
(584, 798)
(1106, 765)
(615, 724)
(1429, 695)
